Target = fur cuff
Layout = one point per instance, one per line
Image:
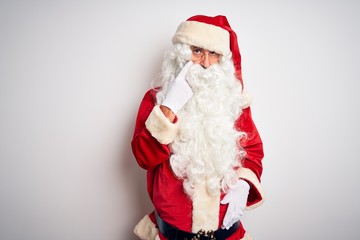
(205, 209)
(160, 127)
(246, 100)
(256, 191)
(146, 229)
(247, 237)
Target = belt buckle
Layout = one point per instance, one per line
(202, 233)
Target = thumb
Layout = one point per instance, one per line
(226, 199)
(185, 69)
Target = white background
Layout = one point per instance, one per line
(72, 74)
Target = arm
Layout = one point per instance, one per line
(147, 149)
(247, 193)
(251, 169)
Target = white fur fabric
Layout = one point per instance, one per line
(192, 33)
(146, 229)
(206, 149)
(160, 127)
(248, 175)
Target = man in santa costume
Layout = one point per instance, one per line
(195, 136)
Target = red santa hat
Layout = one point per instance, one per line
(211, 33)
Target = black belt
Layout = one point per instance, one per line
(172, 233)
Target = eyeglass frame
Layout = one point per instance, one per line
(213, 56)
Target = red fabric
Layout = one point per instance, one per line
(254, 152)
(165, 190)
(252, 143)
(148, 153)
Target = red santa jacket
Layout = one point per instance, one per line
(152, 134)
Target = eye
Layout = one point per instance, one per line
(197, 50)
(212, 53)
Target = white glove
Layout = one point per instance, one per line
(236, 198)
(179, 91)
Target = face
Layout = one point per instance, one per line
(204, 57)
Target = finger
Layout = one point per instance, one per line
(225, 200)
(188, 65)
(172, 78)
(225, 225)
(185, 69)
(228, 218)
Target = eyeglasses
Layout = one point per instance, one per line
(199, 53)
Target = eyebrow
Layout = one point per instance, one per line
(199, 48)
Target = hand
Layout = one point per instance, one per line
(179, 91)
(236, 198)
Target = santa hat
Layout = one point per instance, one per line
(211, 33)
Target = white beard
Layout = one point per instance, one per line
(206, 149)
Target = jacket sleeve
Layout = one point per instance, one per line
(251, 169)
(152, 133)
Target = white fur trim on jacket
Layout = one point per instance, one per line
(192, 33)
(160, 127)
(247, 237)
(248, 175)
(205, 209)
(146, 229)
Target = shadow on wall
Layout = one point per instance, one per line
(133, 177)
(130, 173)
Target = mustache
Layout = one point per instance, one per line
(199, 77)
(213, 69)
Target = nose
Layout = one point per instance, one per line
(205, 61)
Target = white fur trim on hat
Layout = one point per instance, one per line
(146, 229)
(160, 127)
(203, 35)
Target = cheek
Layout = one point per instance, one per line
(215, 61)
(194, 61)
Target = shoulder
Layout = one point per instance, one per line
(150, 95)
